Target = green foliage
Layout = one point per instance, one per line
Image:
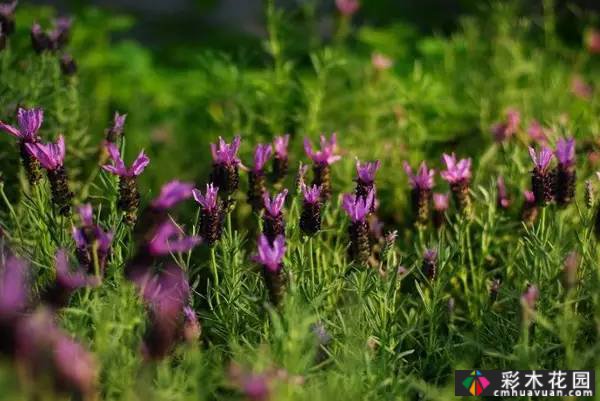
(393, 335)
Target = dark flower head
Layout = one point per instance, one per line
(441, 202)
(172, 193)
(224, 153)
(118, 167)
(280, 144)
(76, 368)
(456, 171)
(60, 34)
(169, 238)
(13, 287)
(357, 207)
(529, 197)
(312, 194)
(29, 122)
(7, 17)
(90, 234)
(270, 256)
(209, 201)
(423, 179)
(71, 280)
(542, 159)
(68, 65)
(262, 153)
(326, 154)
(274, 206)
(51, 156)
(430, 255)
(366, 172)
(565, 151)
(347, 7)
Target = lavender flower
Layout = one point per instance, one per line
(502, 200)
(225, 173)
(169, 238)
(564, 174)
(580, 88)
(421, 184)
(129, 197)
(458, 175)
(347, 7)
(441, 202)
(172, 193)
(53, 40)
(256, 176)
(357, 208)
(51, 156)
(529, 211)
(67, 281)
(273, 224)
(91, 241)
(505, 130)
(14, 294)
(280, 161)
(270, 256)
(322, 160)
(7, 17)
(116, 130)
(29, 122)
(68, 66)
(310, 219)
(381, 62)
(529, 299)
(211, 214)
(165, 295)
(365, 177)
(542, 179)
(191, 327)
(76, 369)
(430, 257)
(536, 133)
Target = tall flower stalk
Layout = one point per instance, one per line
(129, 197)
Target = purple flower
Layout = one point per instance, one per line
(536, 132)
(347, 7)
(542, 159)
(430, 255)
(51, 156)
(69, 280)
(529, 197)
(274, 206)
(366, 172)
(169, 238)
(116, 131)
(358, 207)
(565, 152)
(326, 154)
(256, 388)
(508, 128)
(280, 144)
(88, 236)
(312, 194)
(29, 122)
(191, 326)
(86, 214)
(75, 367)
(441, 202)
(503, 200)
(13, 287)
(456, 171)
(7, 17)
(423, 179)
(209, 202)
(580, 88)
(262, 153)
(270, 256)
(224, 153)
(118, 167)
(172, 193)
